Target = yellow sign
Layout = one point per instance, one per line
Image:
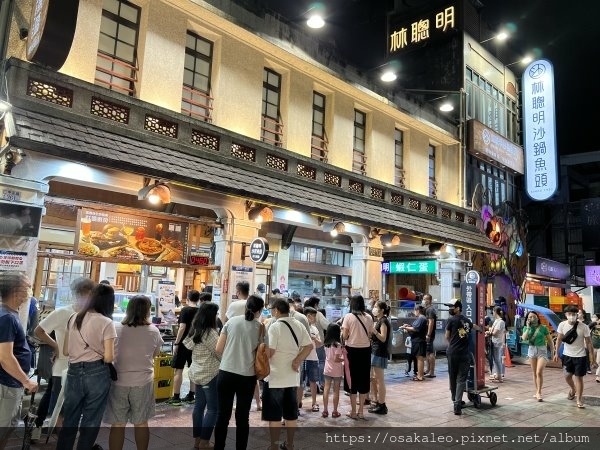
(421, 30)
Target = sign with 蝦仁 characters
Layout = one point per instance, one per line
(539, 124)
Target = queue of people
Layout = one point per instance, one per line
(356, 349)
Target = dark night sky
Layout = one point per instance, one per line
(564, 32)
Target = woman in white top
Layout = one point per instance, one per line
(131, 397)
(89, 344)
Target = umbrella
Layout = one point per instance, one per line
(29, 423)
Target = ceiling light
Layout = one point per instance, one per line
(502, 36)
(315, 21)
(390, 239)
(260, 214)
(334, 228)
(435, 248)
(446, 107)
(155, 193)
(388, 76)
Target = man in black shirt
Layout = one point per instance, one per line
(181, 355)
(431, 315)
(458, 330)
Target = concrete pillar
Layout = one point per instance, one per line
(452, 270)
(366, 269)
(228, 253)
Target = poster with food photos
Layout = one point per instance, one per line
(130, 237)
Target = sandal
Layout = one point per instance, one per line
(351, 416)
(325, 414)
(315, 408)
(417, 379)
(580, 405)
(571, 395)
(335, 414)
(361, 417)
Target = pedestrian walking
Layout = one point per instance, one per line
(538, 337)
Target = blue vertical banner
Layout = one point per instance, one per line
(539, 130)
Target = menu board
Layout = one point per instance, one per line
(130, 237)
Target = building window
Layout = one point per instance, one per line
(432, 181)
(196, 100)
(318, 146)
(116, 63)
(498, 185)
(272, 127)
(359, 160)
(487, 104)
(399, 174)
(319, 255)
(512, 116)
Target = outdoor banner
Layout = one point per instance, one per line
(131, 237)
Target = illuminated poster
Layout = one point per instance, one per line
(541, 177)
(112, 235)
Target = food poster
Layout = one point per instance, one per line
(131, 237)
(165, 296)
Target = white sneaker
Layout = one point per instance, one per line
(36, 433)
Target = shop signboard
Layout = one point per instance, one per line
(412, 267)
(549, 268)
(259, 250)
(539, 126)
(238, 274)
(592, 275)
(130, 237)
(473, 308)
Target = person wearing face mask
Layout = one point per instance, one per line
(538, 337)
(497, 332)
(380, 339)
(574, 360)
(458, 329)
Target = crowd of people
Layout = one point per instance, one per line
(108, 366)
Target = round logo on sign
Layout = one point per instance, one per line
(259, 250)
(472, 276)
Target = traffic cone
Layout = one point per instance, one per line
(507, 361)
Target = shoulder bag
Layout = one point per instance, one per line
(262, 367)
(571, 335)
(111, 368)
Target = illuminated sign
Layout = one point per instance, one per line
(427, 266)
(539, 124)
(423, 29)
(488, 143)
(592, 275)
(550, 269)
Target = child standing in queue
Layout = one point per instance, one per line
(333, 370)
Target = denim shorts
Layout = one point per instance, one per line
(379, 362)
(312, 370)
(540, 352)
(279, 403)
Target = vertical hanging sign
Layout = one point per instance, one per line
(539, 122)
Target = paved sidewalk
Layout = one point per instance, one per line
(412, 405)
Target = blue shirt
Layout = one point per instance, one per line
(12, 331)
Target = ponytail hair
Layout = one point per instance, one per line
(384, 307)
(253, 305)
